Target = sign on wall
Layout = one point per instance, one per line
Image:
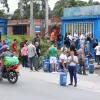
(37, 28)
(82, 11)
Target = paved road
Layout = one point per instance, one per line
(29, 88)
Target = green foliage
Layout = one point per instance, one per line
(2, 14)
(5, 4)
(44, 45)
(61, 4)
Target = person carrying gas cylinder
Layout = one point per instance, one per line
(72, 62)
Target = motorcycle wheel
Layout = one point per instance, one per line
(12, 77)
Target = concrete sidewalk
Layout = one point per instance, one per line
(87, 83)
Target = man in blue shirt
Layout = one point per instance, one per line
(1, 45)
(8, 42)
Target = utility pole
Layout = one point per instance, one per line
(46, 18)
(21, 14)
(32, 30)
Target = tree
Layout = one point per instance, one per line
(5, 4)
(2, 14)
(90, 2)
(61, 4)
(26, 10)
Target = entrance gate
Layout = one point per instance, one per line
(80, 28)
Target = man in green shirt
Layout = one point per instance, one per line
(53, 57)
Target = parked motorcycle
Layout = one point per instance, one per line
(11, 73)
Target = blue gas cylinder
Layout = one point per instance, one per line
(91, 68)
(43, 62)
(86, 62)
(78, 68)
(46, 66)
(63, 78)
(57, 67)
(45, 57)
(50, 68)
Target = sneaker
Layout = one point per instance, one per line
(70, 84)
(75, 85)
(1, 80)
(31, 70)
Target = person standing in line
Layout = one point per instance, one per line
(8, 42)
(32, 56)
(38, 51)
(94, 45)
(63, 60)
(76, 37)
(72, 61)
(97, 48)
(24, 56)
(53, 57)
(0, 33)
(59, 40)
(52, 37)
(81, 60)
(1, 45)
(14, 47)
(36, 39)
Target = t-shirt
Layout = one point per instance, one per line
(82, 38)
(97, 50)
(14, 47)
(75, 36)
(63, 57)
(52, 51)
(31, 50)
(72, 63)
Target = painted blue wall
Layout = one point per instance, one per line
(83, 19)
(3, 26)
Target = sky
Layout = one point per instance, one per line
(13, 4)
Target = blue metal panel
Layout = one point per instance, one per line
(3, 26)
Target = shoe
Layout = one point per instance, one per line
(37, 70)
(31, 70)
(1, 80)
(70, 84)
(75, 85)
(85, 74)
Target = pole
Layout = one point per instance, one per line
(46, 17)
(32, 30)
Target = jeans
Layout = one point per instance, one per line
(38, 62)
(73, 74)
(33, 61)
(59, 44)
(24, 61)
(98, 59)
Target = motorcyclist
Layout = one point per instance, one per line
(4, 54)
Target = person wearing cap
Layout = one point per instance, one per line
(72, 62)
(97, 48)
(14, 47)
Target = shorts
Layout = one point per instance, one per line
(53, 60)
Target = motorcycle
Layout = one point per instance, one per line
(11, 73)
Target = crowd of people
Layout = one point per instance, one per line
(73, 52)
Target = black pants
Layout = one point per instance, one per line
(24, 61)
(73, 74)
(98, 59)
(33, 61)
